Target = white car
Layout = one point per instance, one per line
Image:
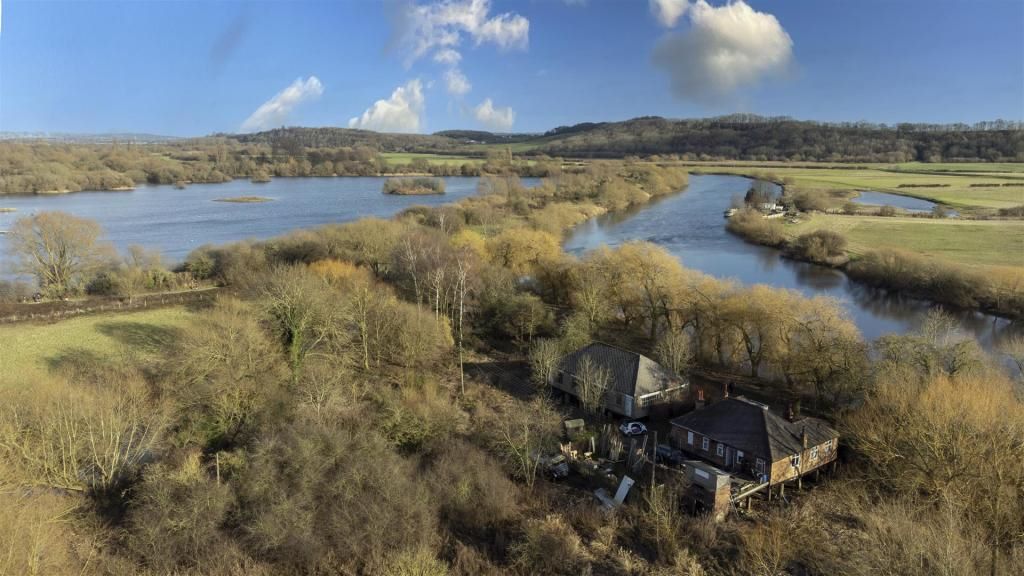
(633, 428)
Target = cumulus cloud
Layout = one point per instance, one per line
(402, 112)
(438, 26)
(456, 82)
(500, 119)
(726, 48)
(274, 112)
(668, 12)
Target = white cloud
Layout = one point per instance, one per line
(443, 25)
(668, 12)
(500, 119)
(447, 56)
(456, 82)
(726, 48)
(402, 112)
(274, 112)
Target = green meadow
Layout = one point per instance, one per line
(31, 352)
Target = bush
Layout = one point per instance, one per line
(751, 225)
(326, 498)
(820, 246)
(413, 186)
(887, 211)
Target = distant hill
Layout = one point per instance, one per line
(330, 137)
(88, 138)
(751, 137)
(733, 137)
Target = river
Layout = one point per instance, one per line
(691, 226)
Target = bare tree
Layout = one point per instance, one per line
(58, 249)
(544, 357)
(592, 383)
(673, 351)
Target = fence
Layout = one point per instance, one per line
(59, 310)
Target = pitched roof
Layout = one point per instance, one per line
(632, 373)
(750, 426)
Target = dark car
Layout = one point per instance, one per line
(666, 454)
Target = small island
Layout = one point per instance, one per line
(2, 210)
(414, 186)
(245, 199)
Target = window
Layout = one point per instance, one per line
(828, 446)
(704, 444)
(760, 466)
(795, 460)
(720, 450)
(689, 438)
(739, 456)
(814, 453)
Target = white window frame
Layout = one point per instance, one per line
(794, 460)
(828, 445)
(689, 438)
(739, 456)
(705, 444)
(720, 450)
(759, 466)
(814, 453)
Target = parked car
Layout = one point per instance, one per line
(668, 455)
(557, 467)
(633, 428)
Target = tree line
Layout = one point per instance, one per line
(326, 417)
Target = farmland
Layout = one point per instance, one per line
(970, 187)
(975, 243)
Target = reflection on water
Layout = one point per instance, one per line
(690, 225)
(178, 221)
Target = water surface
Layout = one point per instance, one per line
(691, 226)
(178, 221)
(908, 203)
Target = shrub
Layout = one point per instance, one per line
(752, 226)
(820, 246)
(404, 186)
(326, 498)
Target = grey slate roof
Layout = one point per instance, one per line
(632, 373)
(753, 428)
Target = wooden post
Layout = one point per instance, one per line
(217, 458)
(782, 490)
(654, 458)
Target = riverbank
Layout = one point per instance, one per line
(888, 255)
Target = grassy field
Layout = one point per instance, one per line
(396, 158)
(950, 188)
(977, 243)
(31, 352)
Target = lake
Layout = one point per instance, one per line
(690, 225)
(178, 221)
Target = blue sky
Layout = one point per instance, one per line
(193, 68)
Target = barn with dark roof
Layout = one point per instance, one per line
(637, 383)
